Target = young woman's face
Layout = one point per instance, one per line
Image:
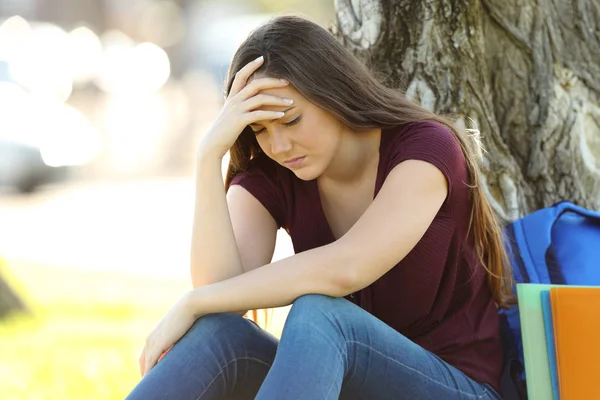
(304, 140)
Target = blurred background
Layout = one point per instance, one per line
(102, 104)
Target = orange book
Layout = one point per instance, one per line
(576, 321)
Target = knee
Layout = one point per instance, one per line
(310, 308)
(315, 320)
(221, 329)
(315, 301)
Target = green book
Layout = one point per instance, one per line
(533, 334)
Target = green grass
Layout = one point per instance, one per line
(83, 335)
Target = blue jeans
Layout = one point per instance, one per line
(329, 349)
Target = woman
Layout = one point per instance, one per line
(399, 266)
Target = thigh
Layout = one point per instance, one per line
(384, 364)
(221, 355)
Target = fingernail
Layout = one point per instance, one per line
(280, 113)
(284, 80)
(288, 101)
(259, 59)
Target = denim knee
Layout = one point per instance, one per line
(314, 309)
(317, 303)
(220, 354)
(316, 321)
(221, 329)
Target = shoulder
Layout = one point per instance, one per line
(429, 141)
(265, 180)
(423, 135)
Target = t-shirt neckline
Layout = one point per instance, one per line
(315, 186)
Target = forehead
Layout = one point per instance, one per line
(287, 91)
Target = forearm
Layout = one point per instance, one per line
(214, 253)
(317, 271)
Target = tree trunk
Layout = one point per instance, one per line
(9, 301)
(526, 71)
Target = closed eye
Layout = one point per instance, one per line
(294, 121)
(291, 123)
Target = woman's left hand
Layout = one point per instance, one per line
(170, 329)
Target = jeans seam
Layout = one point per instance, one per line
(336, 370)
(419, 372)
(225, 367)
(340, 357)
(488, 394)
(485, 393)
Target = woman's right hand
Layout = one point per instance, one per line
(241, 109)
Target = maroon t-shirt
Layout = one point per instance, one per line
(437, 296)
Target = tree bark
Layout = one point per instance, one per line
(527, 72)
(9, 301)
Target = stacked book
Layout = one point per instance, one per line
(560, 327)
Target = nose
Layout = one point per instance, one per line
(280, 143)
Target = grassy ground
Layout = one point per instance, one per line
(84, 334)
(85, 331)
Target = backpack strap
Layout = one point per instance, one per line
(512, 383)
(532, 238)
(511, 245)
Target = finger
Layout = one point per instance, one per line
(142, 362)
(262, 115)
(164, 354)
(241, 77)
(265, 100)
(259, 84)
(151, 358)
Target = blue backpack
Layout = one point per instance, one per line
(559, 244)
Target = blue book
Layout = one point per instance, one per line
(549, 327)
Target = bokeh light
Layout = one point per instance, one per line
(86, 54)
(130, 67)
(42, 63)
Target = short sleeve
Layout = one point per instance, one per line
(261, 182)
(434, 143)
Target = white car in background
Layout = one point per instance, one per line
(41, 138)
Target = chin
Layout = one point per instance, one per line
(306, 174)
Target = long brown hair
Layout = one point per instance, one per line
(329, 76)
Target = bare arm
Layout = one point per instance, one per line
(231, 234)
(254, 229)
(214, 253)
(413, 193)
(222, 245)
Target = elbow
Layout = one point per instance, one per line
(344, 284)
(198, 279)
(200, 275)
(346, 279)
(348, 282)
(352, 272)
(195, 272)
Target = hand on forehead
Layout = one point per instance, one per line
(288, 92)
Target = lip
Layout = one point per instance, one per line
(294, 162)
